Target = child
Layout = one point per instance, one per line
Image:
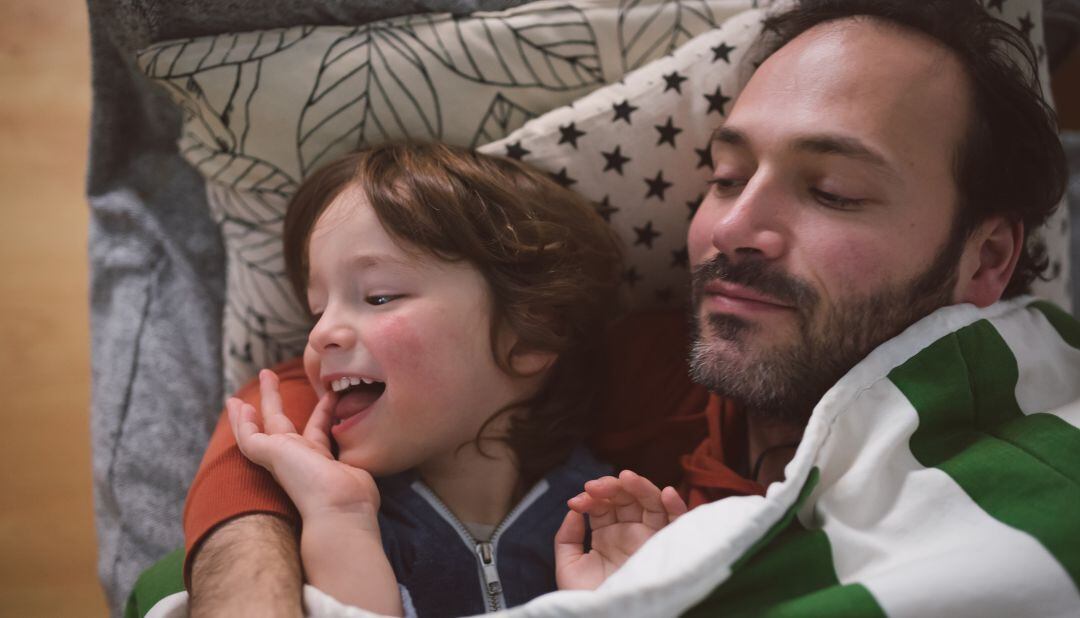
(459, 303)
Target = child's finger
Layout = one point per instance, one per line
(673, 503)
(570, 540)
(603, 488)
(648, 498)
(274, 419)
(248, 436)
(317, 429)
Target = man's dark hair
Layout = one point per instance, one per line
(1011, 161)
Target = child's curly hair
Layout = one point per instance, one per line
(552, 263)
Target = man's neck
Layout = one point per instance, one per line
(772, 444)
(476, 488)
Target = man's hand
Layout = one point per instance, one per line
(302, 464)
(623, 512)
(250, 566)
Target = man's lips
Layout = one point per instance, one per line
(726, 297)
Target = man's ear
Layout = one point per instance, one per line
(989, 260)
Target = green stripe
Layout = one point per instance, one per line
(789, 572)
(1021, 470)
(161, 579)
(1063, 323)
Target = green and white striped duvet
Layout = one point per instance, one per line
(939, 477)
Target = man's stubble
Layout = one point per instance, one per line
(786, 381)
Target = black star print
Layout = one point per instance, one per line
(657, 186)
(694, 204)
(721, 51)
(605, 209)
(1026, 25)
(680, 258)
(705, 157)
(562, 178)
(623, 111)
(673, 81)
(516, 151)
(570, 135)
(664, 295)
(996, 4)
(631, 276)
(645, 235)
(668, 131)
(615, 160)
(717, 100)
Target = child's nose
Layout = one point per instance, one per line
(331, 332)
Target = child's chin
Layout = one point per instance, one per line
(365, 460)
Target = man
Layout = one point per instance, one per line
(887, 160)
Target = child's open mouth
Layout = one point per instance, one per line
(355, 395)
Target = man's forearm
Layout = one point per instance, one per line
(250, 566)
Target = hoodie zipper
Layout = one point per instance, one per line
(490, 582)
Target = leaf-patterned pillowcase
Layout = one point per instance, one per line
(263, 109)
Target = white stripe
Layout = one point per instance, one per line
(1049, 367)
(913, 537)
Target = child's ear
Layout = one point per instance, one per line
(531, 363)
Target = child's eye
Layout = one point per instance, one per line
(832, 200)
(380, 299)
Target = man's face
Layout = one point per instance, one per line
(828, 226)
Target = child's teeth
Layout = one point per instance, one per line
(368, 380)
(354, 381)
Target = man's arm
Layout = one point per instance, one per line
(249, 566)
(238, 523)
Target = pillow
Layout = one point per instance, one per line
(639, 150)
(263, 109)
(636, 148)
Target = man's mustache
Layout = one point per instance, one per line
(758, 275)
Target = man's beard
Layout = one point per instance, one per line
(785, 381)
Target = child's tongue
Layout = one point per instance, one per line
(356, 400)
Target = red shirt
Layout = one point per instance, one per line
(652, 420)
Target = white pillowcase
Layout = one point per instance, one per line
(263, 109)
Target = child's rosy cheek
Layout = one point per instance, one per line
(409, 349)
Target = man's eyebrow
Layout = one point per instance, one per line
(731, 137)
(843, 146)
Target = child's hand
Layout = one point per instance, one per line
(303, 465)
(623, 513)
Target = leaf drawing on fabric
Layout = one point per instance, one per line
(502, 117)
(216, 104)
(184, 57)
(553, 48)
(240, 172)
(264, 322)
(649, 29)
(371, 87)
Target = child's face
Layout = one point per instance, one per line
(416, 326)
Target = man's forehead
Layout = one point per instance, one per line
(856, 75)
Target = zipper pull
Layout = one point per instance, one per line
(491, 575)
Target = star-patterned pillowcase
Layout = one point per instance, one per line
(639, 150)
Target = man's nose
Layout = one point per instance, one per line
(332, 331)
(753, 223)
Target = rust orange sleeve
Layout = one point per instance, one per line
(227, 485)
